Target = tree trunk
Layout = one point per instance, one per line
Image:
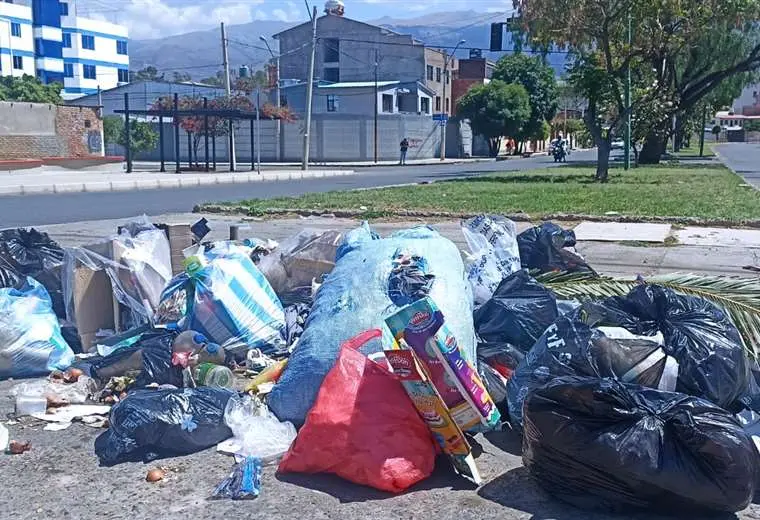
(654, 147)
(494, 145)
(603, 160)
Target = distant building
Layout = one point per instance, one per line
(472, 72)
(46, 39)
(748, 103)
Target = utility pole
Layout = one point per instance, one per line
(627, 144)
(702, 132)
(310, 90)
(228, 91)
(258, 129)
(445, 115)
(278, 101)
(376, 63)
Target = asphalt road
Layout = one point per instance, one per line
(742, 158)
(36, 210)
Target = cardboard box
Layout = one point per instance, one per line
(180, 238)
(92, 299)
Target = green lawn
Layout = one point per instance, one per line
(673, 191)
(693, 150)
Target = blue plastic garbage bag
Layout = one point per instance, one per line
(230, 302)
(371, 278)
(31, 343)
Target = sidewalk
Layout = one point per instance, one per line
(59, 180)
(154, 166)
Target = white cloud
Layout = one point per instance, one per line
(292, 14)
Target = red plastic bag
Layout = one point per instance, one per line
(363, 427)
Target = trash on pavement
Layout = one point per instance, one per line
(494, 254)
(423, 328)
(18, 447)
(243, 482)
(150, 424)
(54, 392)
(300, 259)
(602, 444)
(155, 475)
(256, 432)
(4, 437)
(30, 337)
(62, 418)
(270, 374)
(230, 302)
(209, 374)
(355, 297)
(363, 426)
(548, 248)
(433, 410)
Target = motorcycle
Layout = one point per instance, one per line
(559, 153)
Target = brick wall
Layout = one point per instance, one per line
(38, 130)
(460, 87)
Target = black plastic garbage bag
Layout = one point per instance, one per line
(546, 248)
(698, 334)
(150, 424)
(606, 445)
(28, 252)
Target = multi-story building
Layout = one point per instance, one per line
(48, 40)
(471, 72)
(349, 51)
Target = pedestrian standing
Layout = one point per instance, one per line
(404, 148)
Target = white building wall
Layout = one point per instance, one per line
(16, 45)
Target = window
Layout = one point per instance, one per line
(425, 105)
(437, 103)
(331, 74)
(64, 9)
(331, 48)
(447, 105)
(66, 40)
(68, 70)
(388, 103)
(123, 76)
(430, 73)
(448, 76)
(438, 74)
(18, 62)
(89, 72)
(16, 29)
(121, 47)
(88, 42)
(332, 103)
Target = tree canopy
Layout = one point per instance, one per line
(29, 89)
(142, 137)
(495, 110)
(149, 73)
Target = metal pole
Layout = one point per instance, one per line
(376, 64)
(127, 134)
(258, 129)
(443, 107)
(627, 143)
(161, 142)
(253, 161)
(175, 117)
(205, 129)
(100, 103)
(310, 90)
(278, 101)
(213, 151)
(702, 132)
(228, 91)
(189, 151)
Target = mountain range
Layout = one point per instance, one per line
(199, 53)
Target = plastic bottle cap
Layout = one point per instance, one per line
(212, 348)
(200, 339)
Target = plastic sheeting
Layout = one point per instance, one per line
(548, 248)
(30, 337)
(605, 445)
(355, 297)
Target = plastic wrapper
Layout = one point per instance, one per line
(356, 297)
(32, 253)
(31, 343)
(606, 445)
(548, 248)
(230, 302)
(151, 424)
(363, 427)
(57, 392)
(300, 259)
(492, 240)
(256, 432)
(243, 483)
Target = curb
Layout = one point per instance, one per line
(160, 184)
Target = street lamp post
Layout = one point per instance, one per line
(278, 122)
(445, 117)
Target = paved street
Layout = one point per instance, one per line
(742, 158)
(35, 210)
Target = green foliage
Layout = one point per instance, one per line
(142, 137)
(716, 130)
(495, 110)
(179, 77)
(113, 127)
(149, 73)
(543, 132)
(29, 89)
(752, 125)
(533, 73)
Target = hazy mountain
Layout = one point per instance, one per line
(200, 55)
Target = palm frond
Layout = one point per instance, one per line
(738, 297)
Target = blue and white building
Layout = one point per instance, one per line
(48, 40)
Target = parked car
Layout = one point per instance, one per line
(618, 144)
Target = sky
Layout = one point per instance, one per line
(160, 18)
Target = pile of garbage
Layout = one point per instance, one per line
(367, 357)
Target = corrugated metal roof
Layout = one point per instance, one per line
(361, 84)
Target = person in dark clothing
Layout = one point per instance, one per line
(404, 148)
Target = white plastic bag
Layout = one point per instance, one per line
(492, 240)
(256, 431)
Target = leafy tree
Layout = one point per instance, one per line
(533, 73)
(149, 73)
(716, 130)
(113, 127)
(29, 89)
(142, 137)
(179, 77)
(216, 81)
(496, 110)
(753, 125)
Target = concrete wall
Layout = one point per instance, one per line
(37, 130)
